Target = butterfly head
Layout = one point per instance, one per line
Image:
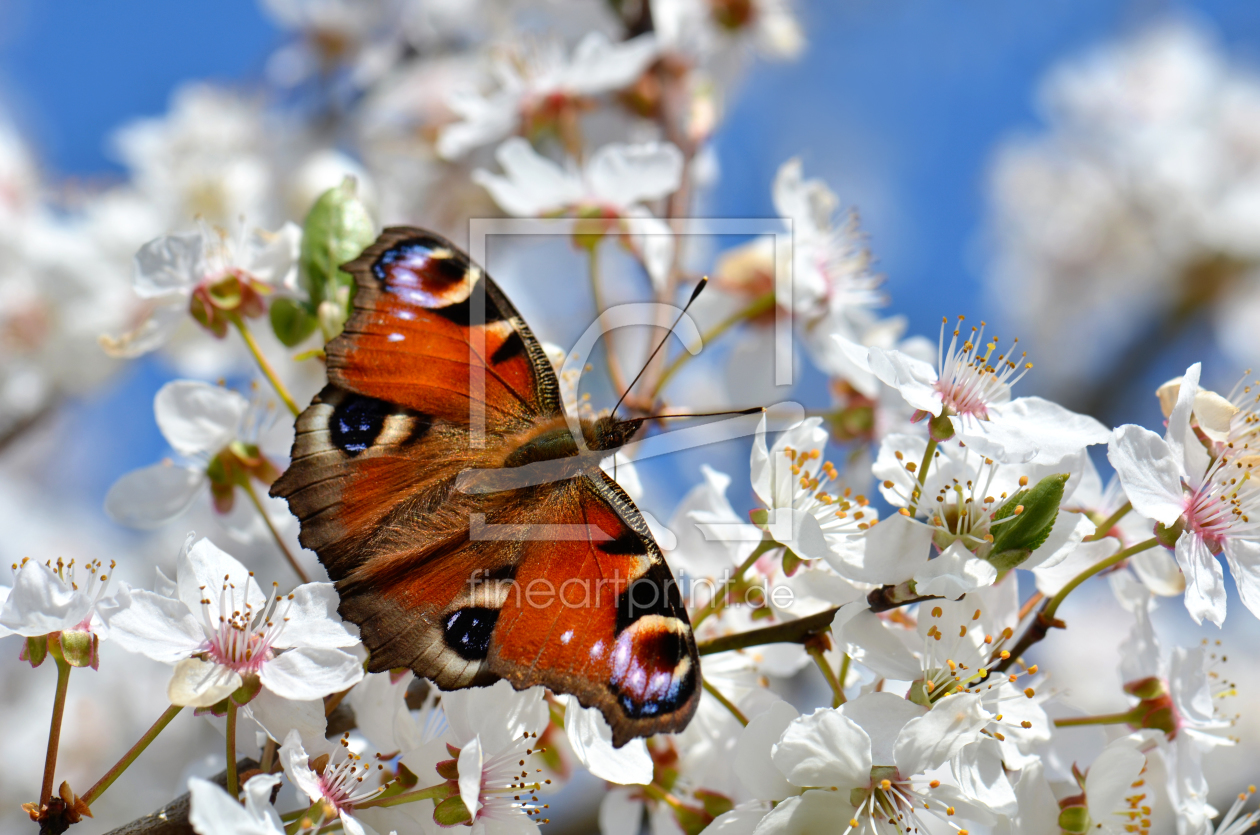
(610, 432)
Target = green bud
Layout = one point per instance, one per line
(337, 229)
(940, 428)
(451, 812)
(292, 321)
(1075, 819)
(80, 648)
(1035, 511)
(1168, 536)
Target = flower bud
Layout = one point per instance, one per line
(940, 428)
(337, 228)
(1034, 511)
(1075, 819)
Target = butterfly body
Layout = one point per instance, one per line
(465, 518)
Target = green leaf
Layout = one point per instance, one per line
(1038, 507)
(292, 320)
(336, 230)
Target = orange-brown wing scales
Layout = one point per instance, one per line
(600, 616)
(431, 332)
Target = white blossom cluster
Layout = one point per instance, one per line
(869, 618)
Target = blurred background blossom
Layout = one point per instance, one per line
(1086, 175)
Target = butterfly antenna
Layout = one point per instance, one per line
(750, 411)
(694, 295)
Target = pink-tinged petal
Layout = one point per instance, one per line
(591, 741)
(1111, 778)
(825, 748)
(882, 716)
(41, 602)
(928, 741)
(913, 378)
(157, 627)
(752, 761)
(297, 766)
(197, 418)
(310, 673)
(278, 716)
(1032, 430)
(813, 813)
(953, 573)
(1243, 556)
(622, 175)
(1148, 471)
(1205, 582)
(872, 644)
(470, 764)
(152, 496)
(168, 266)
(197, 683)
(312, 620)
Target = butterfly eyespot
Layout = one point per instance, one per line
(468, 631)
(356, 422)
(652, 672)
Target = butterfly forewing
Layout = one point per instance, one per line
(439, 579)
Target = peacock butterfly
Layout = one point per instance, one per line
(559, 583)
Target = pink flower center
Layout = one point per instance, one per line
(970, 378)
(241, 637)
(1222, 507)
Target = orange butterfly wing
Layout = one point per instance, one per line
(439, 579)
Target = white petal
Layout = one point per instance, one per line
(1038, 808)
(882, 716)
(213, 811)
(197, 683)
(1189, 453)
(953, 573)
(1243, 556)
(751, 758)
(896, 549)
(380, 707)
(926, 742)
(170, 265)
(825, 748)
(310, 673)
(200, 572)
(813, 813)
(41, 602)
(655, 240)
(622, 175)
(150, 497)
(1035, 431)
(532, 184)
(296, 764)
(805, 535)
(498, 714)
(1190, 685)
(620, 813)
(913, 378)
(1053, 577)
(278, 716)
(599, 65)
(982, 777)
(1205, 582)
(1158, 570)
(197, 418)
(312, 619)
(158, 627)
(272, 257)
(1213, 414)
(1148, 471)
(1111, 777)
(809, 204)
(591, 741)
(870, 643)
(258, 800)
(735, 822)
(470, 764)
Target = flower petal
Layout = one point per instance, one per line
(1032, 430)
(1205, 582)
(168, 266)
(927, 741)
(751, 758)
(591, 741)
(532, 184)
(202, 571)
(620, 813)
(870, 643)
(953, 573)
(41, 602)
(212, 811)
(1243, 556)
(278, 716)
(310, 673)
(470, 764)
(297, 766)
(622, 175)
(896, 549)
(198, 683)
(1148, 471)
(913, 378)
(882, 716)
(1111, 777)
(197, 418)
(825, 748)
(312, 619)
(813, 813)
(154, 626)
(151, 496)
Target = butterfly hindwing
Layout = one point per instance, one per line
(559, 584)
